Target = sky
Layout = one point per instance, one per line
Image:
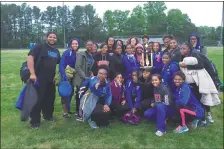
(200, 13)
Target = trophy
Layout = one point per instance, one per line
(147, 58)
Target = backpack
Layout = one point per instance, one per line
(130, 118)
(24, 71)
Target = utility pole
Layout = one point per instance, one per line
(64, 24)
(221, 42)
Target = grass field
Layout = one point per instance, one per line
(72, 134)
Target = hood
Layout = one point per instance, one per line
(70, 42)
(198, 40)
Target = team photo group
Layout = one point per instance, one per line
(170, 83)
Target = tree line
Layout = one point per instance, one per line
(22, 24)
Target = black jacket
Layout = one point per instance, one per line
(147, 88)
(116, 65)
(98, 57)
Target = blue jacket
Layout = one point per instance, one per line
(132, 92)
(185, 98)
(103, 91)
(130, 65)
(68, 58)
(20, 99)
(168, 73)
(157, 62)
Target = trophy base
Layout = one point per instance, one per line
(145, 67)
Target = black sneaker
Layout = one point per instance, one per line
(35, 126)
(49, 119)
(79, 118)
(66, 115)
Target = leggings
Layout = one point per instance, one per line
(195, 90)
(182, 114)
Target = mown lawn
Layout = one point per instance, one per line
(71, 134)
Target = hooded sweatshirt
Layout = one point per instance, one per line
(133, 94)
(103, 91)
(68, 58)
(198, 48)
(130, 64)
(157, 61)
(168, 73)
(184, 97)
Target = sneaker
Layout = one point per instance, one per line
(66, 115)
(159, 133)
(203, 123)
(76, 113)
(79, 118)
(210, 119)
(181, 129)
(92, 124)
(35, 126)
(49, 119)
(195, 124)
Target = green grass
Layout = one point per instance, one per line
(71, 134)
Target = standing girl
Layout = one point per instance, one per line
(169, 70)
(110, 43)
(161, 105)
(95, 48)
(139, 51)
(68, 59)
(116, 63)
(130, 63)
(157, 58)
(83, 66)
(174, 50)
(186, 103)
(120, 42)
(101, 58)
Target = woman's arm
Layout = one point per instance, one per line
(62, 66)
(184, 96)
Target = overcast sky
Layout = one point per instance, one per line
(200, 13)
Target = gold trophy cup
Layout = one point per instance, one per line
(147, 58)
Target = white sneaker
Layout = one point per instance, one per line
(210, 119)
(159, 133)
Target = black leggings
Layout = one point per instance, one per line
(195, 90)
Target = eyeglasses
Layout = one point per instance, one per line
(101, 73)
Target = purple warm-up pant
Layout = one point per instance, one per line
(159, 113)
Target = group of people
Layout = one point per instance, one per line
(112, 81)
